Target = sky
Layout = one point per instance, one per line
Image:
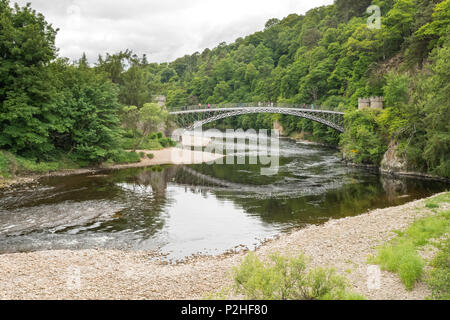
(162, 29)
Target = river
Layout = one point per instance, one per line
(181, 211)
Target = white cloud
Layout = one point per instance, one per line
(163, 29)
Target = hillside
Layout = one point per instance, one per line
(330, 57)
(52, 109)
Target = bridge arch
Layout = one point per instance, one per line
(192, 119)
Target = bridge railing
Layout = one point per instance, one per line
(249, 105)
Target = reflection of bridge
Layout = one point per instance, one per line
(196, 116)
(191, 177)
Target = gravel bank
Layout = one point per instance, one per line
(92, 274)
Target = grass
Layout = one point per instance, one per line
(401, 254)
(439, 277)
(287, 278)
(11, 165)
(123, 157)
(155, 141)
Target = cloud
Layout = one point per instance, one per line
(163, 29)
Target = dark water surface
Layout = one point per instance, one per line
(185, 210)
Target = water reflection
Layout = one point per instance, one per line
(191, 209)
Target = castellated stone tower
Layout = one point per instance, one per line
(363, 103)
(376, 103)
(370, 103)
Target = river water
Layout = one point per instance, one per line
(196, 209)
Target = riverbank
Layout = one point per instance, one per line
(99, 274)
(389, 171)
(167, 156)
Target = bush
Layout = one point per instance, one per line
(439, 277)
(401, 254)
(123, 157)
(362, 141)
(403, 260)
(286, 278)
(150, 156)
(167, 142)
(5, 163)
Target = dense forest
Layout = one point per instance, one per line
(58, 114)
(52, 108)
(330, 57)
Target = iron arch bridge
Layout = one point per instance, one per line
(194, 117)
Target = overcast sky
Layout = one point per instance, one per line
(163, 29)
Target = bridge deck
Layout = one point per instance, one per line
(276, 109)
(193, 117)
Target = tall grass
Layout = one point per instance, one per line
(401, 254)
(287, 278)
(439, 276)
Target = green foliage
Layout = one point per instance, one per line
(361, 142)
(327, 56)
(27, 46)
(402, 258)
(11, 165)
(437, 110)
(87, 113)
(439, 277)
(151, 117)
(6, 164)
(401, 254)
(286, 278)
(123, 157)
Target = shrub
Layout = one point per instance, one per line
(150, 155)
(439, 277)
(362, 141)
(167, 142)
(5, 163)
(432, 205)
(123, 157)
(401, 256)
(286, 278)
(403, 260)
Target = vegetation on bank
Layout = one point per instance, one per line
(330, 57)
(55, 114)
(52, 109)
(286, 278)
(401, 255)
(439, 277)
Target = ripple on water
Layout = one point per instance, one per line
(55, 217)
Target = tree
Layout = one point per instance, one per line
(272, 22)
(437, 109)
(27, 46)
(134, 90)
(151, 117)
(87, 126)
(347, 9)
(130, 119)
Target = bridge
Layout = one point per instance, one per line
(192, 117)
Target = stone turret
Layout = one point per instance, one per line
(363, 103)
(376, 103)
(372, 103)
